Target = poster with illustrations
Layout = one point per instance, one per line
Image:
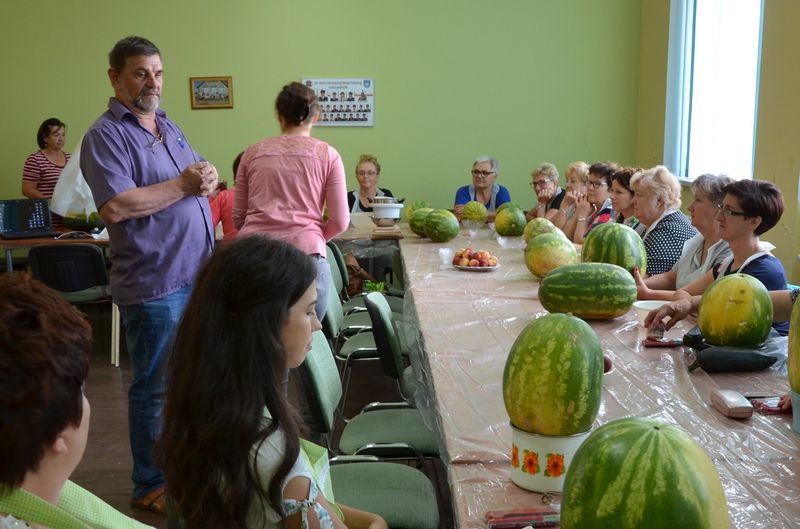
(344, 102)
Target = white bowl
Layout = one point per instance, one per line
(644, 307)
(361, 221)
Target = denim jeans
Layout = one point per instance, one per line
(324, 286)
(150, 331)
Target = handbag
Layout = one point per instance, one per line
(356, 276)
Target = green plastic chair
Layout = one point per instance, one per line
(342, 280)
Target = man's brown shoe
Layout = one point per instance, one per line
(155, 502)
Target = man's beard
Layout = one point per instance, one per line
(147, 105)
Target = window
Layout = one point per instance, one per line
(712, 87)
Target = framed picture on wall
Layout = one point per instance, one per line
(211, 92)
(344, 102)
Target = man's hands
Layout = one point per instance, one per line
(199, 178)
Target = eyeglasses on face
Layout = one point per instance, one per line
(596, 184)
(725, 211)
(484, 174)
(539, 183)
(366, 173)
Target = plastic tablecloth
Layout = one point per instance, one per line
(464, 324)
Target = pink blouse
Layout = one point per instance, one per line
(283, 186)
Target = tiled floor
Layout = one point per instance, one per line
(106, 466)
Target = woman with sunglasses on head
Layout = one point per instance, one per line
(577, 177)
(368, 171)
(748, 209)
(484, 189)
(656, 203)
(595, 208)
(230, 448)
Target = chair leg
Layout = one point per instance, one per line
(114, 335)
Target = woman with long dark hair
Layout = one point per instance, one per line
(286, 183)
(230, 446)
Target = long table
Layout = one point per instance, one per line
(466, 325)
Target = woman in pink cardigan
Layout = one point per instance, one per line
(285, 184)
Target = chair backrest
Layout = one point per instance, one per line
(336, 274)
(333, 319)
(340, 264)
(325, 385)
(386, 340)
(68, 267)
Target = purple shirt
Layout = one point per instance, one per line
(156, 255)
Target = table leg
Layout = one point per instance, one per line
(9, 260)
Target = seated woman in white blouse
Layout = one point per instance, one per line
(700, 252)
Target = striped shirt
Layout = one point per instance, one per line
(42, 172)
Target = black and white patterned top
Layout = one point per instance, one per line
(664, 241)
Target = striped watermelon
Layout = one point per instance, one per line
(474, 210)
(637, 473)
(417, 221)
(538, 227)
(506, 205)
(735, 310)
(594, 291)
(794, 350)
(510, 222)
(411, 207)
(547, 252)
(616, 244)
(554, 376)
(441, 225)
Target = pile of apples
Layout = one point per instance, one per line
(470, 257)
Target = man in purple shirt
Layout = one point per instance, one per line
(149, 186)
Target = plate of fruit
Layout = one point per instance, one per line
(469, 260)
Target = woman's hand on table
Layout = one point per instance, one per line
(675, 311)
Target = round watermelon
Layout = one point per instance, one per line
(553, 376)
(547, 252)
(636, 473)
(510, 222)
(538, 227)
(474, 211)
(794, 350)
(417, 221)
(593, 291)
(616, 244)
(441, 225)
(735, 310)
(411, 207)
(506, 205)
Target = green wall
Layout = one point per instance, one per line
(526, 82)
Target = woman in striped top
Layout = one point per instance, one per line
(43, 167)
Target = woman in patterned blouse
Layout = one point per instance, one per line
(656, 199)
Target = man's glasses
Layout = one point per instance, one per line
(158, 140)
(484, 174)
(538, 184)
(596, 184)
(366, 173)
(725, 211)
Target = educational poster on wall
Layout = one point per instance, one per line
(344, 102)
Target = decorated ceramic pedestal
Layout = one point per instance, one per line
(795, 412)
(540, 462)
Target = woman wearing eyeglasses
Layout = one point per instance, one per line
(484, 189)
(549, 195)
(700, 252)
(368, 171)
(594, 208)
(656, 203)
(749, 208)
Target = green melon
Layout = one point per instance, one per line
(538, 227)
(594, 291)
(616, 244)
(510, 222)
(506, 205)
(410, 207)
(553, 376)
(637, 473)
(474, 211)
(417, 221)
(441, 225)
(547, 252)
(735, 310)
(794, 350)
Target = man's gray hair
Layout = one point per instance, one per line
(493, 163)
